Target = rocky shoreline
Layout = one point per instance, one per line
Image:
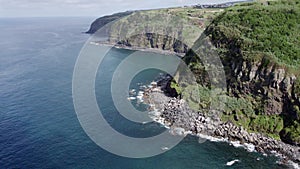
(175, 113)
(144, 49)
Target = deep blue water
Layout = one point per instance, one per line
(38, 124)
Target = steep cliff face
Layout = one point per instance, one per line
(100, 22)
(153, 41)
(272, 89)
(261, 63)
(171, 29)
(258, 44)
(273, 85)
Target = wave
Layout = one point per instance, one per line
(230, 163)
(247, 146)
(212, 139)
(131, 98)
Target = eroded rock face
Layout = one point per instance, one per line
(153, 41)
(272, 84)
(101, 22)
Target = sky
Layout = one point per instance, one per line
(46, 8)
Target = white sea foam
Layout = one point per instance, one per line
(178, 131)
(165, 148)
(140, 97)
(293, 165)
(230, 163)
(155, 116)
(131, 98)
(212, 139)
(236, 144)
(290, 164)
(143, 87)
(132, 92)
(94, 43)
(249, 147)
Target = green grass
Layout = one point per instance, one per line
(241, 111)
(292, 132)
(245, 112)
(183, 24)
(260, 30)
(269, 33)
(266, 33)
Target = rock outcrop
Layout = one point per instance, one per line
(177, 114)
(174, 29)
(102, 21)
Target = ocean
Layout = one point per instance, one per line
(38, 124)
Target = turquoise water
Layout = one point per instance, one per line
(38, 124)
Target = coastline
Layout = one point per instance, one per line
(172, 112)
(213, 130)
(133, 48)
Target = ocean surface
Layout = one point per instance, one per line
(38, 124)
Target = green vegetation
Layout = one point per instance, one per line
(260, 32)
(100, 22)
(269, 29)
(161, 27)
(292, 132)
(175, 86)
(240, 111)
(266, 32)
(244, 112)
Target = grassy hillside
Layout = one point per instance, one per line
(266, 34)
(169, 29)
(100, 22)
(258, 44)
(270, 28)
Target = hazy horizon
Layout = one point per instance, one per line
(81, 8)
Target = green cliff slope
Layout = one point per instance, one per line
(259, 45)
(172, 29)
(100, 22)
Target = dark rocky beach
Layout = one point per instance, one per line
(173, 112)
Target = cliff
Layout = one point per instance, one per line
(172, 29)
(258, 44)
(100, 22)
(259, 47)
